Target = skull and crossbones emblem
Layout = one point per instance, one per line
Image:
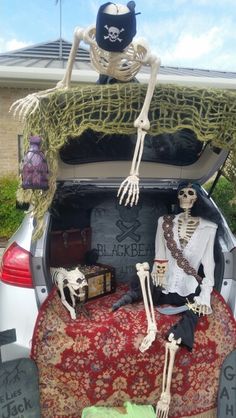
(113, 33)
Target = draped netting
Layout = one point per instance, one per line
(112, 109)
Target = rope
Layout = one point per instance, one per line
(112, 109)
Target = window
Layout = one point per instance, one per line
(179, 148)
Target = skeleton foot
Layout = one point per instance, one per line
(163, 405)
(129, 186)
(148, 340)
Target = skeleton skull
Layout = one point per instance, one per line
(78, 282)
(187, 197)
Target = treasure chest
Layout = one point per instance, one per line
(101, 280)
(69, 247)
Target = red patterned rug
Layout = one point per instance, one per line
(97, 361)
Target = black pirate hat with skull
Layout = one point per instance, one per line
(114, 32)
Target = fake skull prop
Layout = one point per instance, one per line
(161, 267)
(78, 282)
(187, 197)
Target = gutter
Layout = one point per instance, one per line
(45, 77)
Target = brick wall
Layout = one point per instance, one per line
(10, 128)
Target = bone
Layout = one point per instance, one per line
(144, 276)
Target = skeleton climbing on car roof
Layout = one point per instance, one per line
(184, 243)
(115, 54)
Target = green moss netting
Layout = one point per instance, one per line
(210, 113)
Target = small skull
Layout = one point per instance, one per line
(187, 197)
(161, 268)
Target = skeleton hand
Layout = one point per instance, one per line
(163, 405)
(28, 105)
(130, 186)
(199, 309)
(25, 106)
(158, 280)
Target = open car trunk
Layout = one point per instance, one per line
(90, 227)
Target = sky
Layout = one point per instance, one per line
(183, 33)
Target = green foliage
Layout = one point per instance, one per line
(223, 196)
(10, 217)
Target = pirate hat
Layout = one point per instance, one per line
(115, 32)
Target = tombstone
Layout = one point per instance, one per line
(124, 235)
(226, 407)
(19, 390)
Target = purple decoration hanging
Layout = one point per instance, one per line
(34, 168)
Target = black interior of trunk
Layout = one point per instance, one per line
(113, 235)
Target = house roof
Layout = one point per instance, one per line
(47, 60)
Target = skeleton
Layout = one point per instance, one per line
(76, 282)
(186, 226)
(123, 66)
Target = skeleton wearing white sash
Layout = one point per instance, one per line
(184, 245)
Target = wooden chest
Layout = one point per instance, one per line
(101, 280)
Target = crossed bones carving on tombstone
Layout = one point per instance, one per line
(128, 231)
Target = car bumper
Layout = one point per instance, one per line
(18, 311)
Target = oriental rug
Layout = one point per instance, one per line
(97, 361)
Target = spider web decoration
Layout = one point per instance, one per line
(112, 109)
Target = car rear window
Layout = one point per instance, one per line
(179, 148)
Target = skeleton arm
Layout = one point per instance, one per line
(160, 263)
(28, 105)
(130, 185)
(142, 121)
(64, 301)
(78, 37)
(202, 304)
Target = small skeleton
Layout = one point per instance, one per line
(158, 276)
(123, 66)
(75, 281)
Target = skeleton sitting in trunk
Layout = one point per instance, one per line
(184, 242)
(113, 53)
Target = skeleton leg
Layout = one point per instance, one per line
(64, 301)
(144, 276)
(163, 404)
(131, 184)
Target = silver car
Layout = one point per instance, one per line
(90, 172)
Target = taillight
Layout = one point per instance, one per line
(15, 267)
